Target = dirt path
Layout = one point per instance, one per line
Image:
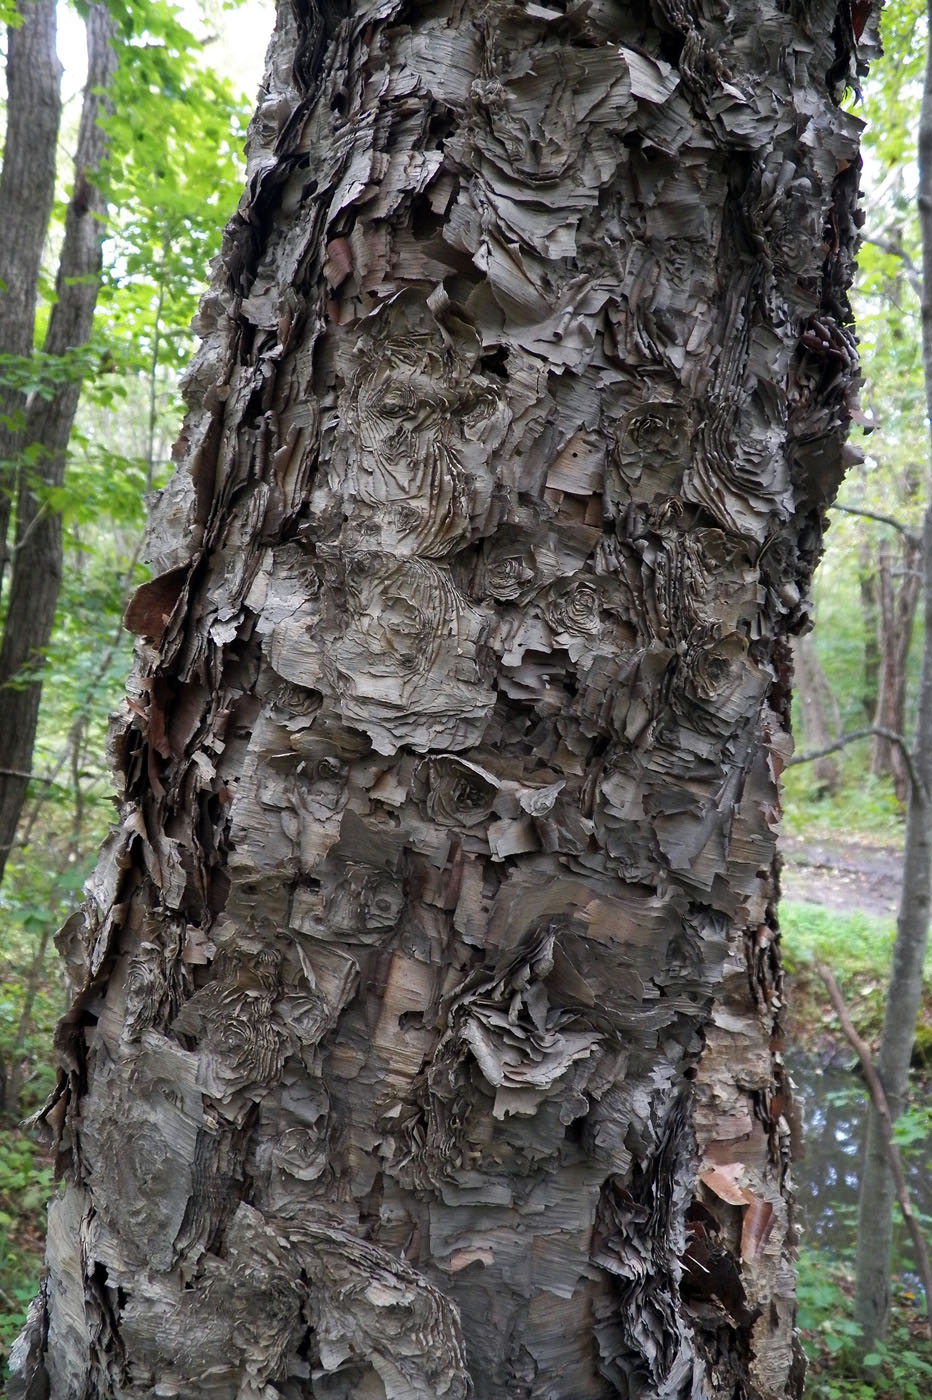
(844, 875)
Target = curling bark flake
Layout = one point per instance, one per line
(426, 1033)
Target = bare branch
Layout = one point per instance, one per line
(891, 735)
(910, 534)
(896, 250)
(883, 1112)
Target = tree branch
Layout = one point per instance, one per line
(883, 1112)
(913, 535)
(896, 250)
(891, 735)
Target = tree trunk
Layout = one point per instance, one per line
(875, 1217)
(37, 565)
(426, 1034)
(27, 187)
(870, 611)
(877, 1194)
(897, 610)
(818, 709)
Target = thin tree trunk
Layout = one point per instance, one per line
(897, 610)
(11, 1082)
(818, 709)
(875, 1219)
(877, 1195)
(37, 566)
(870, 612)
(882, 1109)
(429, 990)
(27, 187)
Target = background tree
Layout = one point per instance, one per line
(872, 1302)
(427, 992)
(42, 427)
(879, 522)
(172, 161)
(142, 68)
(880, 548)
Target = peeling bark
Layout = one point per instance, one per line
(425, 1039)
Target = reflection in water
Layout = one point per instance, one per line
(828, 1176)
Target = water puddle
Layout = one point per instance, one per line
(828, 1175)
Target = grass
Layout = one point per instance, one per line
(858, 948)
(865, 807)
(852, 943)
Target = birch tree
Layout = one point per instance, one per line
(426, 1030)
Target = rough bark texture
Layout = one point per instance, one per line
(36, 579)
(426, 1034)
(27, 187)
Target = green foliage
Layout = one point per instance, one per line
(849, 942)
(892, 479)
(172, 177)
(43, 374)
(913, 1128)
(865, 806)
(858, 948)
(25, 1187)
(898, 1369)
(922, 1051)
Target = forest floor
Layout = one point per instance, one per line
(839, 898)
(842, 874)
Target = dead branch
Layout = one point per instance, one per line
(896, 250)
(890, 520)
(892, 737)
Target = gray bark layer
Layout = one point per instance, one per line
(37, 567)
(426, 1033)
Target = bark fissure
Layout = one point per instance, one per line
(423, 1039)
